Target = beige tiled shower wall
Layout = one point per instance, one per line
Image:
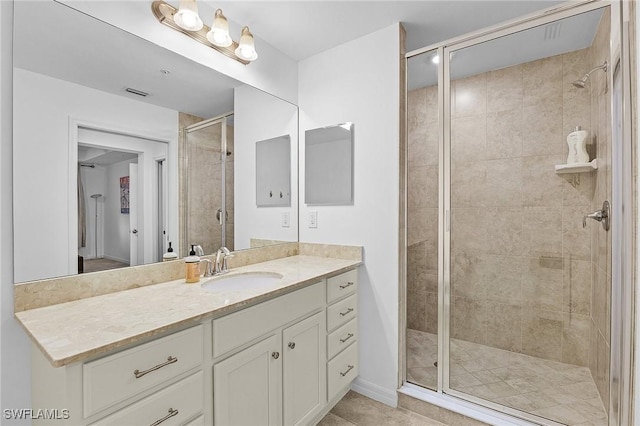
(600, 325)
(422, 209)
(204, 193)
(521, 261)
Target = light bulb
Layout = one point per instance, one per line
(219, 33)
(187, 16)
(246, 48)
(436, 59)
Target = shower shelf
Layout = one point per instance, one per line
(577, 167)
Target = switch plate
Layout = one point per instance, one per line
(286, 219)
(313, 219)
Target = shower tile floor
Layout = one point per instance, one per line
(561, 392)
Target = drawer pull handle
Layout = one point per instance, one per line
(172, 413)
(346, 285)
(349, 336)
(347, 312)
(275, 355)
(346, 372)
(169, 360)
(292, 345)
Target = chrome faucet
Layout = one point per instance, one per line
(209, 270)
(222, 266)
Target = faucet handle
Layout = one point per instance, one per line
(208, 270)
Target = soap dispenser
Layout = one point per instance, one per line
(192, 266)
(577, 141)
(170, 254)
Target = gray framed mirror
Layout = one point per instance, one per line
(329, 165)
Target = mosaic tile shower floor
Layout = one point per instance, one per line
(561, 392)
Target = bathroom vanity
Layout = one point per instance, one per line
(177, 354)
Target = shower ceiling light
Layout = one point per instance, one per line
(217, 37)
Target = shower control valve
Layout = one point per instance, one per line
(601, 216)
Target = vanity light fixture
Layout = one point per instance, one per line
(217, 37)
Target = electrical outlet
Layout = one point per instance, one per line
(286, 219)
(313, 219)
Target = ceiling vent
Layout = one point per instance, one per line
(552, 31)
(136, 92)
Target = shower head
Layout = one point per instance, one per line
(582, 82)
(96, 196)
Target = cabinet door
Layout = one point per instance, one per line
(247, 386)
(304, 347)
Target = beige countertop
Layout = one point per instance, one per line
(75, 331)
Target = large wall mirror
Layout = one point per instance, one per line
(121, 146)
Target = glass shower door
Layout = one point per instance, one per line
(530, 284)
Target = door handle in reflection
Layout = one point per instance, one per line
(135, 231)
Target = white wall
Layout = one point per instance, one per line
(273, 71)
(15, 372)
(43, 108)
(359, 82)
(259, 116)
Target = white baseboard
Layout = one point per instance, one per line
(117, 259)
(375, 392)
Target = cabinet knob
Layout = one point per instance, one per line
(275, 355)
(292, 345)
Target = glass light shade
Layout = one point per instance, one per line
(187, 16)
(246, 49)
(219, 33)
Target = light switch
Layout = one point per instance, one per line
(313, 219)
(286, 219)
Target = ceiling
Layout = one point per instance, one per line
(301, 28)
(78, 48)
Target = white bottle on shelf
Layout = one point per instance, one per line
(577, 141)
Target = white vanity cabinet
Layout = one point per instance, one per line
(283, 361)
(154, 381)
(274, 377)
(342, 333)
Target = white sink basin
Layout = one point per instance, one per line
(242, 281)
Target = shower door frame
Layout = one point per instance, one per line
(622, 293)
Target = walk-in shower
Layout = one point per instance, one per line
(508, 296)
(207, 184)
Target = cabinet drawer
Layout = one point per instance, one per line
(341, 338)
(112, 379)
(342, 370)
(198, 421)
(176, 404)
(342, 285)
(341, 312)
(234, 330)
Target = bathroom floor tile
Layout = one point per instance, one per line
(358, 410)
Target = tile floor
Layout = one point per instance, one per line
(562, 392)
(355, 409)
